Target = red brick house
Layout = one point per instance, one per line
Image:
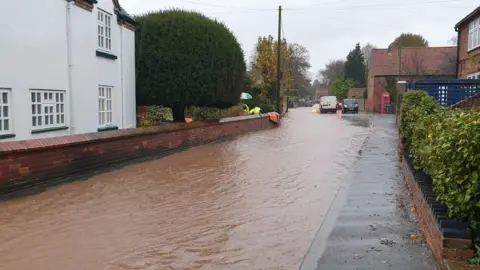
(408, 64)
(468, 30)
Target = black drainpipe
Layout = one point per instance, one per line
(458, 52)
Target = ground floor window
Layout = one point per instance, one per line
(48, 108)
(474, 76)
(5, 112)
(105, 106)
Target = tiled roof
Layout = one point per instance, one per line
(123, 15)
(475, 13)
(415, 61)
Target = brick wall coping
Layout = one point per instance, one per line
(79, 139)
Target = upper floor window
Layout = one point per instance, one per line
(104, 30)
(48, 108)
(5, 112)
(474, 35)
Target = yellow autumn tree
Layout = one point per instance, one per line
(265, 65)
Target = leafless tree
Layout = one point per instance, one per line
(367, 53)
(453, 41)
(331, 72)
(300, 66)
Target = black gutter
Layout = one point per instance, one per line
(458, 52)
(467, 18)
(122, 17)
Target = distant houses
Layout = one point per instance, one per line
(408, 64)
(387, 66)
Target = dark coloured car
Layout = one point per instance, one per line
(350, 105)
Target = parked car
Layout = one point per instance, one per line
(328, 104)
(350, 105)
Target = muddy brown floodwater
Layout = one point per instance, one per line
(254, 202)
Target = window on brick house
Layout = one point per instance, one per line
(474, 76)
(48, 108)
(474, 35)
(105, 106)
(5, 112)
(104, 27)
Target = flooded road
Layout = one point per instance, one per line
(255, 202)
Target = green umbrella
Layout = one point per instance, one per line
(245, 96)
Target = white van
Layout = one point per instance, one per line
(328, 104)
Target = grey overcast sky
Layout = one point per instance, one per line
(329, 29)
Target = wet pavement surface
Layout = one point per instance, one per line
(370, 223)
(254, 202)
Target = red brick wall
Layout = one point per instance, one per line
(375, 90)
(31, 162)
(466, 65)
(370, 89)
(442, 248)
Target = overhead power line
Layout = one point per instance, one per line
(333, 5)
(352, 7)
(229, 7)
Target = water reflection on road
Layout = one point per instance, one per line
(255, 202)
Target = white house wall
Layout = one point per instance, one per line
(34, 55)
(129, 78)
(84, 71)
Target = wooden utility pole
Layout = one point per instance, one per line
(279, 44)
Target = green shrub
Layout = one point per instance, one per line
(445, 144)
(186, 59)
(159, 114)
(234, 111)
(410, 100)
(427, 115)
(266, 105)
(152, 115)
(204, 113)
(455, 162)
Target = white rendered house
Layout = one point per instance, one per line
(66, 67)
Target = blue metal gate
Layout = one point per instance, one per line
(447, 92)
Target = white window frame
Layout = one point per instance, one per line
(474, 76)
(48, 108)
(474, 34)
(104, 30)
(105, 106)
(5, 108)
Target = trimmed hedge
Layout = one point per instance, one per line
(187, 59)
(445, 144)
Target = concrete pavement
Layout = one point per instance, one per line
(369, 224)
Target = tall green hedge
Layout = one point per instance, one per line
(186, 59)
(445, 144)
